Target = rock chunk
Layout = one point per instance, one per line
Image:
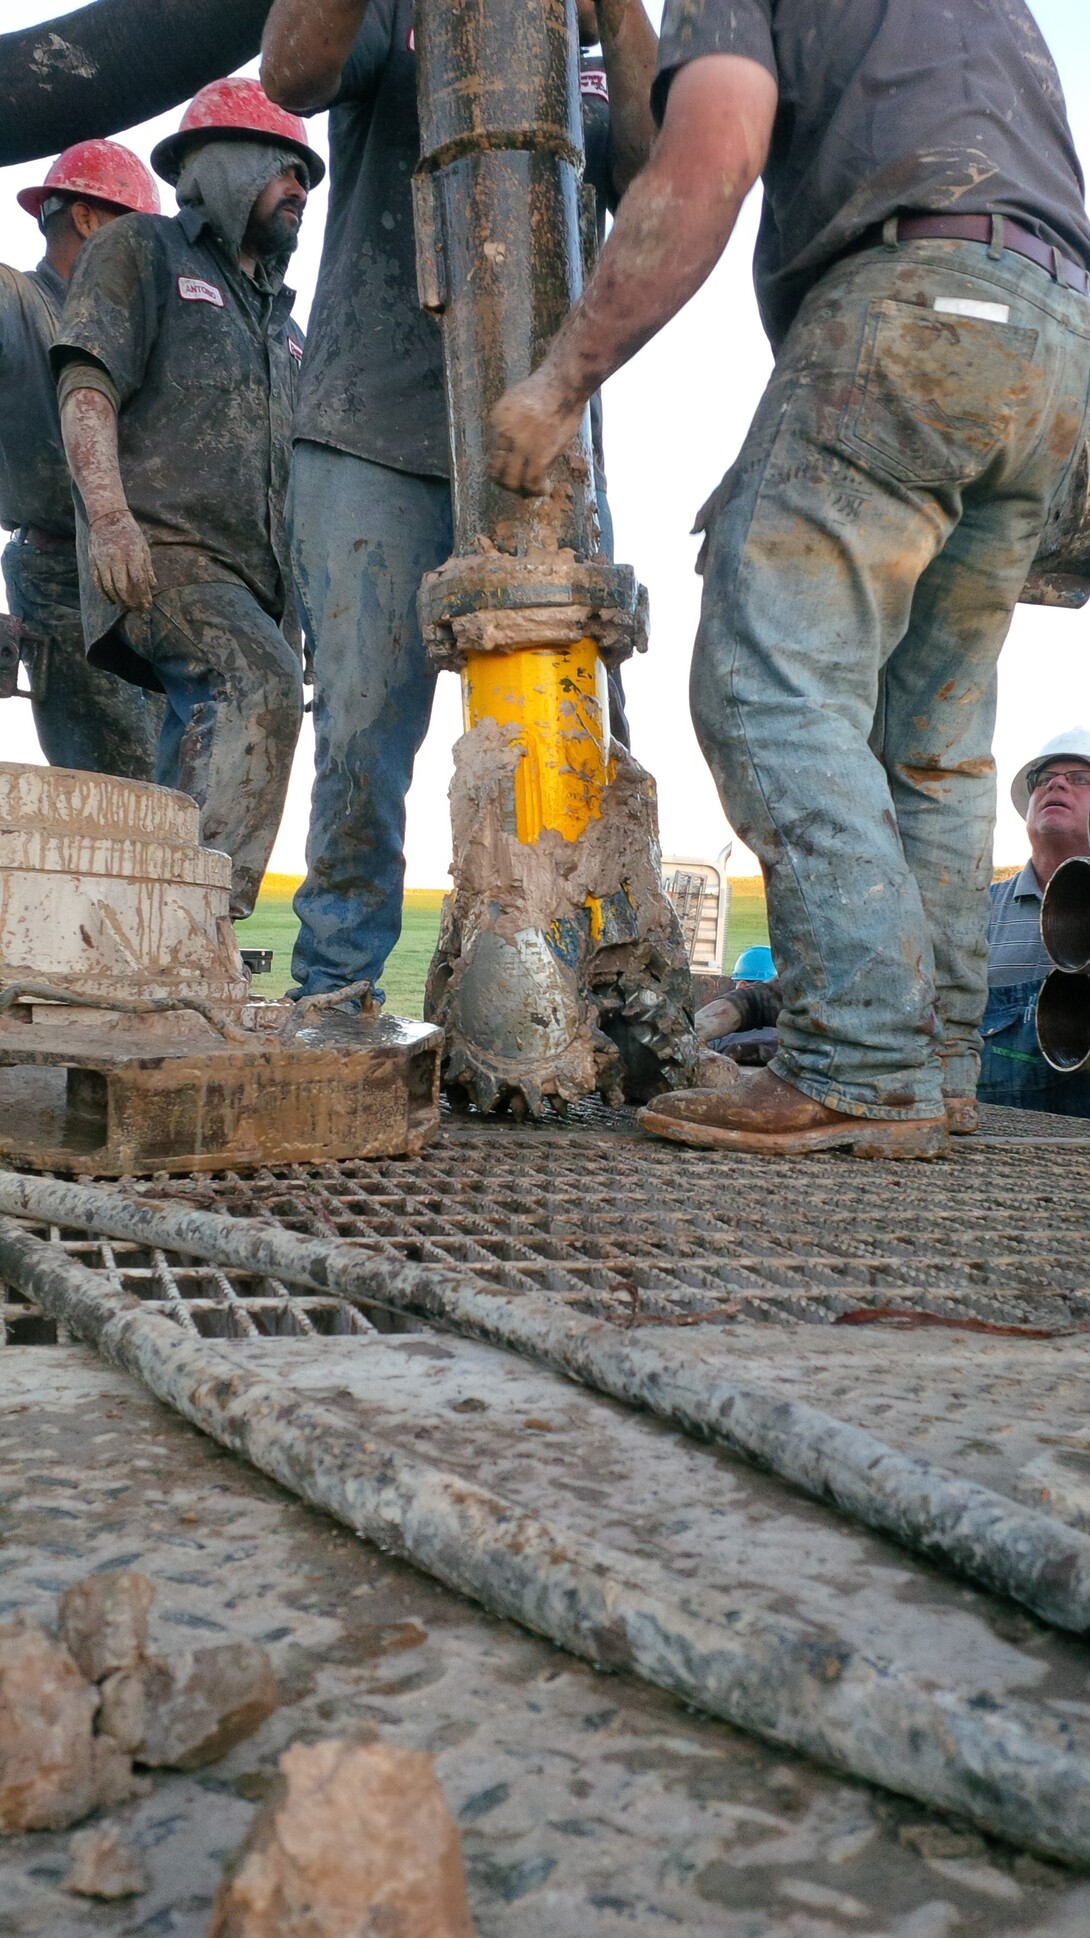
(201, 1702)
(104, 1621)
(360, 1840)
(104, 1866)
(48, 1772)
(121, 1716)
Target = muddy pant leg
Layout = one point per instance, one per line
(85, 718)
(934, 735)
(362, 536)
(808, 583)
(886, 426)
(234, 702)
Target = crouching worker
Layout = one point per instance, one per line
(84, 717)
(177, 363)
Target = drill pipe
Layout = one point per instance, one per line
(1007, 1548)
(526, 607)
(1063, 1005)
(999, 1764)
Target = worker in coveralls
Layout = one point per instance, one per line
(370, 497)
(1052, 794)
(922, 274)
(85, 718)
(178, 364)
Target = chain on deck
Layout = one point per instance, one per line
(642, 1232)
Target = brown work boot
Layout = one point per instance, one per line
(762, 1113)
(962, 1116)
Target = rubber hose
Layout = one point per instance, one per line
(108, 66)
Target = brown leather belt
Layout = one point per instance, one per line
(43, 541)
(992, 229)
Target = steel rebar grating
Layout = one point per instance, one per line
(638, 1231)
(200, 1298)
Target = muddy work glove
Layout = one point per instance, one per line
(121, 561)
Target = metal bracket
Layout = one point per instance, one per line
(492, 601)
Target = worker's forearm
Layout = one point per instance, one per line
(117, 551)
(304, 48)
(89, 429)
(665, 242)
(630, 51)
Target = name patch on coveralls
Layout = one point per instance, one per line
(193, 289)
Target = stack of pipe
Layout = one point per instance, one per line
(1063, 1007)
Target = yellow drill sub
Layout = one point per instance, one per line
(554, 700)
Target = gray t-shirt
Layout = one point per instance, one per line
(888, 106)
(1016, 953)
(35, 486)
(372, 382)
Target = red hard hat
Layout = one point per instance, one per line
(233, 107)
(102, 171)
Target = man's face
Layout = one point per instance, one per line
(273, 228)
(1057, 805)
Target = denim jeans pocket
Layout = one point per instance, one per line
(935, 395)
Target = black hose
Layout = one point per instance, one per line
(108, 66)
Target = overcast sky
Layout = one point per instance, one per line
(674, 421)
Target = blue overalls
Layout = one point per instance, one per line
(1013, 1070)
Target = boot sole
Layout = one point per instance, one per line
(862, 1137)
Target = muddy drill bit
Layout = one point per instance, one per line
(560, 969)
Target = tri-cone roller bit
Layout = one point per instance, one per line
(561, 968)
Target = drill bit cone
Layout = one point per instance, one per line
(561, 968)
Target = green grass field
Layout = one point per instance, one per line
(273, 926)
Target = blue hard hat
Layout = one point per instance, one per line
(755, 965)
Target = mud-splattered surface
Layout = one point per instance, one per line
(586, 1804)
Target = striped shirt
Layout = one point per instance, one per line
(1016, 953)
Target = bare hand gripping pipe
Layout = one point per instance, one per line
(1004, 1766)
(105, 67)
(1007, 1548)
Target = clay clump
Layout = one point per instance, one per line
(77, 1711)
(104, 1866)
(359, 1839)
(201, 1702)
(48, 1777)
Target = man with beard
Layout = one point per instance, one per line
(84, 717)
(177, 363)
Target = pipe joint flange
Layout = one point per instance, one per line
(495, 602)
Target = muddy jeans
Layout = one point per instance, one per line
(85, 717)
(1012, 1070)
(363, 536)
(880, 522)
(234, 703)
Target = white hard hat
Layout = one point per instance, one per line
(1072, 745)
